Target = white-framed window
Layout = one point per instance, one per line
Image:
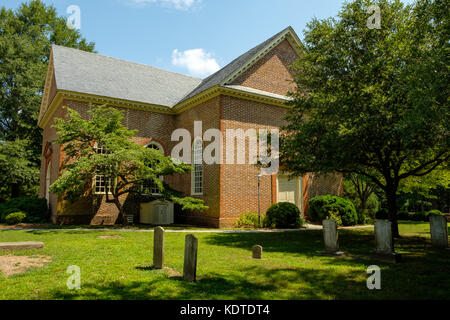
(197, 165)
(150, 185)
(101, 181)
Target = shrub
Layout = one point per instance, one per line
(435, 212)
(15, 218)
(333, 207)
(364, 217)
(35, 209)
(382, 214)
(419, 216)
(403, 215)
(283, 215)
(249, 220)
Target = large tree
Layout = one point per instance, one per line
(15, 167)
(373, 101)
(26, 36)
(127, 167)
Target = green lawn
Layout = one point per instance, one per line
(291, 268)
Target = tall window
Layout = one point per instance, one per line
(150, 185)
(101, 181)
(197, 165)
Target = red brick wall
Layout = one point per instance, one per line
(271, 73)
(239, 183)
(208, 112)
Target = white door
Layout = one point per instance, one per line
(289, 190)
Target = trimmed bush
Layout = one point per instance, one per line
(333, 207)
(382, 214)
(15, 218)
(364, 217)
(403, 215)
(283, 215)
(435, 212)
(249, 220)
(420, 216)
(35, 209)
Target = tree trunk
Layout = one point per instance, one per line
(121, 211)
(391, 196)
(15, 190)
(363, 203)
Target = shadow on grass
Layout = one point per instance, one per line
(358, 245)
(253, 283)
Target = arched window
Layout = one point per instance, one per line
(150, 185)
(197, 165)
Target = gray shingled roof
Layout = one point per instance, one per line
(234, 65)
(91, 73)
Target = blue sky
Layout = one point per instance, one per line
(192, 37)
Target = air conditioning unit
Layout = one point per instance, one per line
(157, 213)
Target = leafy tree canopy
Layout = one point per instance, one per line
(373, 101)
(15, 168)
(26, 36)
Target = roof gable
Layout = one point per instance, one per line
(234, 69)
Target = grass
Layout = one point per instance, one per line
(291, 268)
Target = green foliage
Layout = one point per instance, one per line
(403, 215)
(435, 212)
(249, 220)
(36, 209)
(15, 218)
(16, 168)
(418, 216)
(364, 217)
(382, 214)
(424, 186)
(283, 215)
(361, 192)
(128, 165)
(26, 36)
(333, 207)
(373, 102)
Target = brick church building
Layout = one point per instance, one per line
(248, 93)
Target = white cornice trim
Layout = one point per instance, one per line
(84, 97)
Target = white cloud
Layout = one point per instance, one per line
(198, 62)
(177, 4)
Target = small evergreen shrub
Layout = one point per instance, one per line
(333, 207)
(15, 218)
(403, 215)
(283, 215)
(249, 220)
(382, 214)
(364, 217)
(35, 209)
(420, 216)
(435, 212)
